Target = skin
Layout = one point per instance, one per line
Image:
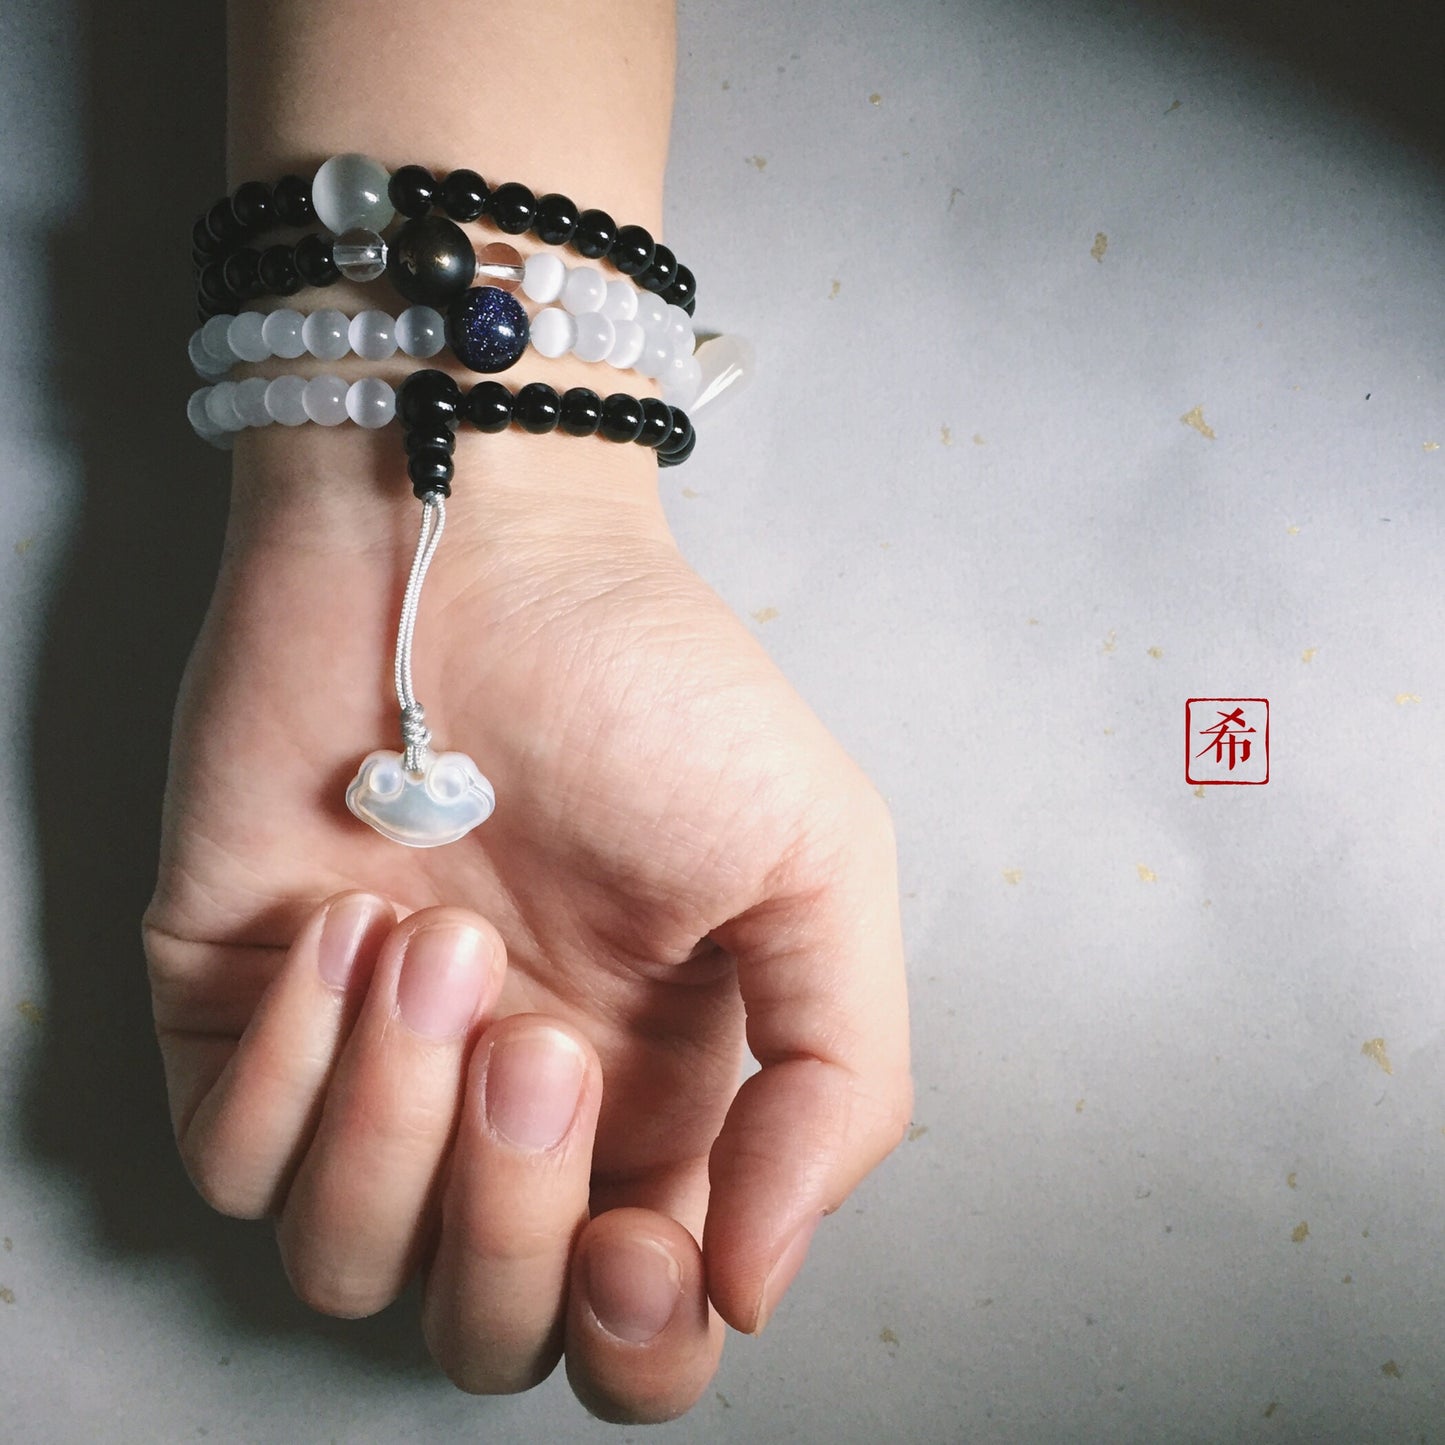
(680, 853)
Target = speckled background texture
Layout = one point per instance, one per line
(1100, 357)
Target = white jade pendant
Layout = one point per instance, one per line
(442, 802)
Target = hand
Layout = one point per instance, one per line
(527, 1087)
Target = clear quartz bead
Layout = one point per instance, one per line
(350, 190)
(543, 276)
(244, 336)
(206, 365)
(553, 332)
(281, 331)
(250, 401)
(327, 334)
(370, 402)
(372, 335)
(500, 265)
(215, 337)
(595, 335)
(324, 400)
(360, 254)
(621, 302)
(629, 339)
(421, 331)
(284, 400)
(584, 290)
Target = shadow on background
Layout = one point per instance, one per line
(131, 596)
(127, 605)
(1384, 59)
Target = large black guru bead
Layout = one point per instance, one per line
(487, 329)
(430, 260)
(428, 399)
(431, 471)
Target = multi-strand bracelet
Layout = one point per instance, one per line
(356, 198)
(463, 298)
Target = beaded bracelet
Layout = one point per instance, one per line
(658, 345)
(431, 403)
(356, 198)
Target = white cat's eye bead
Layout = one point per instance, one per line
(543, 277)
(324, 399)
(250, 401)
(553, 332)
(621, 302)
(595, 335)
(327, 334)
(370, 402)
(628, 340)
(284, 400)
(350, 190)
(421, 331)
(281, 331)
(244, 336)
(584, 290)
(372, 335)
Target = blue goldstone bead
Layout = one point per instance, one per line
(487, 329)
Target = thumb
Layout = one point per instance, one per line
(820, 968)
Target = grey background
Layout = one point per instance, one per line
(962, 482)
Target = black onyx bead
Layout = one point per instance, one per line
(489, 406)
(676, 449)
(313, 261)
(222, 224)
(673, 459)
(511, 208)
(202, 240)
(595, 235)
(429, 398)
(677, 433)
(438, 437)
(241, 271)
(431, 472)
(537, 408)
(658, 276)
(487, 329)
(278, 273)
(412, 190)
(463, 195)
(556, 220)
(621, 417)
(632, 251)
(430, 260)
(683, 288)
(291, 199)
(581, 411)
(690, 305)
(253, 208)
(656, 422)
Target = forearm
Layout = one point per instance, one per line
(562, 95)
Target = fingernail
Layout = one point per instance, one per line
(442, 973)
(633, 1286)
(782, 1274)
(342, 931)
(533, 1083)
